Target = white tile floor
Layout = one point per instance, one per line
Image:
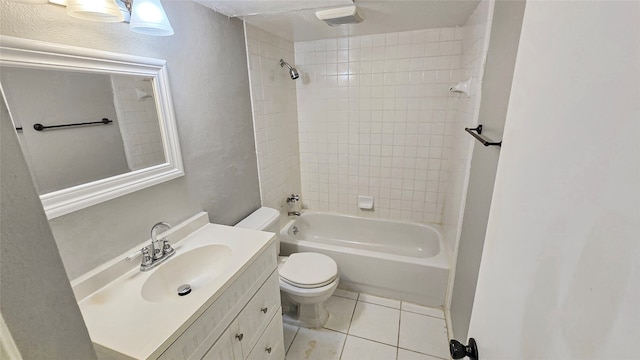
(362, 326)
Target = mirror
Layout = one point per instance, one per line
(93, 125)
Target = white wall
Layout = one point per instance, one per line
(275, 117)
(560, 276)
(36, 302)
(207, 68)
(374, 117)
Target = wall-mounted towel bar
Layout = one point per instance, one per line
(484, 141)
(40, 127)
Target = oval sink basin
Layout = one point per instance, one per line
(196, 268)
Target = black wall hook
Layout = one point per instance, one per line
(458, 351)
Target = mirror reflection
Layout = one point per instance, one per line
(63, 155)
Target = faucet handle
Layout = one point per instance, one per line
(293, 198)
(134, 255)
(166, 247)
(146, 258)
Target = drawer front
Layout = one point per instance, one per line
(256, 315)
(199, 337)
(271, 345)
(227, 347)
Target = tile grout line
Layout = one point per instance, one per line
(422, 353)
(426, 307)
(381, 343)
(349, 327)
(347, 334)
(292, 340)
(398, 340)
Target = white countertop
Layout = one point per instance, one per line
(120, 319)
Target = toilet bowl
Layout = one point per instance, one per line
(307, 279)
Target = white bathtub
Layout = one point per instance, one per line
(398, 260)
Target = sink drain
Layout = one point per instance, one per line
(184, 290)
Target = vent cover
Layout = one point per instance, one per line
(340, 16)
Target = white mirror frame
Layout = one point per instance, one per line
(23, 53)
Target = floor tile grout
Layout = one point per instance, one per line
(349, 327)
(347, 334)
(399, 323)
(292, 340)
(422, 353)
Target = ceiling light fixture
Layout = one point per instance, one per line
(31, 1)
(144, 16)
(95, 10)
(148, 17)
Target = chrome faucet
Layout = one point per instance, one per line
(293, 213)
(155, 253)
(158, 246)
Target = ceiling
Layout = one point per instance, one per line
(295, 20)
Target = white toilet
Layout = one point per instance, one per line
(307, 280)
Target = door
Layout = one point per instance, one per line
(559, 276)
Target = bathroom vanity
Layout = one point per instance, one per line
(232, 312)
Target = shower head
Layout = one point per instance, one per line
(292, 71)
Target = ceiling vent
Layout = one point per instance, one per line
(340, 16)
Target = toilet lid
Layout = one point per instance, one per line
(308, 270)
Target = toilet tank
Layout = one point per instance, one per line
(263, 219)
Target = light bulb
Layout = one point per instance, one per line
(95, 10)
(148, 17)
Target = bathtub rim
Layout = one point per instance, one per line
(440, 260)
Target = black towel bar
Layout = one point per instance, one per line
(482, 140)
(40, 127)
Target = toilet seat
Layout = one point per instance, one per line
(308, 270)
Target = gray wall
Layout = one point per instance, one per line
(36, 300)
(496, 88)
(207, 66)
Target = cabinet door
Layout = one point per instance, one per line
(255, 317)
(227, 347)
(271, 345)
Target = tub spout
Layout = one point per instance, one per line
(294, 213)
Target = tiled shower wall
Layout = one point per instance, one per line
(138, 120)
(376, 118)
(475, 36)
(275, 117)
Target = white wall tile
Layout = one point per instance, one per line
(388, 85)
(275, 113)
(472, 39)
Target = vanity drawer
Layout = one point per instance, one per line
(255, 317)
(271, 345)
(204, 331)
(227, 347)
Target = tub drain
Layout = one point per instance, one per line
(184, 290)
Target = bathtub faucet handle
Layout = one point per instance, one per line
(293, 198)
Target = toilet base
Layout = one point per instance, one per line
(305, 315)
(306, 322)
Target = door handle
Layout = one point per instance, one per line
(458, 351)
